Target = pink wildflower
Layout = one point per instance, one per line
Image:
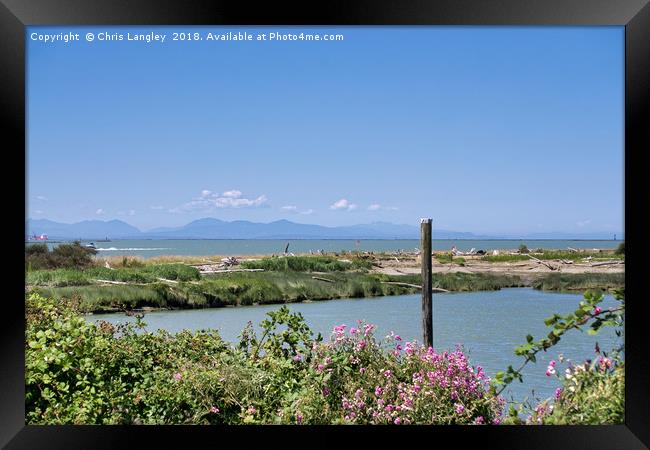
(251, 410)
(378, 391)
(459, 408)
(326, 392)
(597, 310)
(479, 420)
(362, 370)
(297, 357)
(558, 393)
(178, 376)
(298, 418)
(214, 409)
(387, 373)
(398, 421)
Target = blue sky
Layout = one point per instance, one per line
(485, 129)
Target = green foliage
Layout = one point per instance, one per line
(592, 394)
(583, 401)
(145, 274)
(579, 281)
(78, 372)
(620, 250)
(38, 256)
(554, 255)
(307, 264)
(240, 288)
(523, 249)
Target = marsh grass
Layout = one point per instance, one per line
(556, 254)
(579, 281)
(147, 274)
(230, 289)
(308, 264)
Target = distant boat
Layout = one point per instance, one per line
(91, 245)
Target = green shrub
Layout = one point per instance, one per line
(38, 256)
(523, 249)
(592, 394)
(620, 250)
(78, 372)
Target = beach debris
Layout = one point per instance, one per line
(539, 261)
(607, 263)
(571, 249)
(286, 249)
(324, 279)
(228, 262)
(495, 252)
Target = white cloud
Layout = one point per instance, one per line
(232, 194)
(209, 200)
(38, 211)
(343, 204)
(131, 212)
(582, 223)
(294, 209)
(156, 207)
(99, 212)
(377, 207)
(41, 197)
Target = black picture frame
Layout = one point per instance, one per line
(15, 15)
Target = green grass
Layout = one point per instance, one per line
(505, 258)
(307, 264)
(247, 288)
(554, 254)
(579, 281)
(147, 274)
(448, 258)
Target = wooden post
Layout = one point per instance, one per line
(427, 303)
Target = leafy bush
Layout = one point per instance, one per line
(38, 256)
(523, 249)
(620, 250)
(82, 373)
(593, 393)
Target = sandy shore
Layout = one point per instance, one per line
(474, 264)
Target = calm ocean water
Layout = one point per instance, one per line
(489, 325)
(149, 248)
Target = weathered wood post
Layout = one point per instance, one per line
(427, 302)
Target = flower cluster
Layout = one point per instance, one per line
(416, 385)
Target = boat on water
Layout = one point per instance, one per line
(90, 245)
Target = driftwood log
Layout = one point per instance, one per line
(607, 263)
(539, 261)
(324, 279)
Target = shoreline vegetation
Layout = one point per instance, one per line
(81, 372)
(114, 284)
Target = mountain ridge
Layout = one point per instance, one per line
(213, 228)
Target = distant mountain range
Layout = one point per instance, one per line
(210, 228)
